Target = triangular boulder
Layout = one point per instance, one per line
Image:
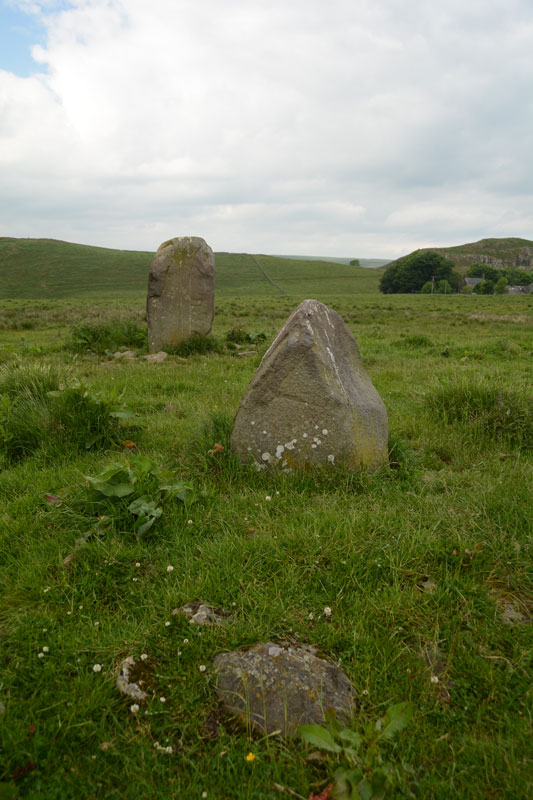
(311, 401)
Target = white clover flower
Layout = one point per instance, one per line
(268, 497)
(185, 641)
(40, 655)
(434, 679)
(167, 624)
(162, 699)
(144, 656)
(202, 667)
(170, 568)
(45, 630)
(134, 708)
(327, 611)
(46, 649)
(97, 667)
(189, 522)
(137, 563)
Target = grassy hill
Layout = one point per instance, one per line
(508, 252)
(49, 269)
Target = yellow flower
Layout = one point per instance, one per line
(250, 757)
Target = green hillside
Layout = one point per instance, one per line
(48, 269)
(506, 252)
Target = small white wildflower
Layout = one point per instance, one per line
(46, 649)
(45, 630)
(327, 611)
(46, 590)
(311, 615)
(144, 656)
(97, 667)
(168, 749)
(268, 497)
(185, 641)
(179, 652)
(134, 708)
(137, 563)
(135, 580)
(162, 699)
(204, 795)
(189, 522)
(365, 692)
(167, 624)
(434, 679)
(202, 667)
(170, 568)
(96, 624)
(80, 607)
(69, 613)
(40, 655)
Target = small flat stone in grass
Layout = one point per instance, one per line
(201, 614)
(156, 358)
(274, 688)
(132, 677)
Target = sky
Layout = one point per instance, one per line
(348, 128)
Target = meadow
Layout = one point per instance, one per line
(425, 565)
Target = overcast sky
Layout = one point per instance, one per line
(342, 127)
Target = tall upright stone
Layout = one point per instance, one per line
(311, 402)
(181, 292)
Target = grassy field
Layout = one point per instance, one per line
(39, 269)
(426, 565)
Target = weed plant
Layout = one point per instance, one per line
(106, 337)
(197, 344)
(38, 410)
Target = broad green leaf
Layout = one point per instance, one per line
(143, 466)
(378, 781)
(320, 737)
(396, 719)
(350, 736)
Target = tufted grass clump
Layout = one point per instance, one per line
(40, 410)
(107, 337)
(197, 344)
(487, 411)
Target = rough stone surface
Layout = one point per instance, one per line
(311, 401)
(274, 688)
(156, 358)
(201, 614)
(128, 682)
(181, 292)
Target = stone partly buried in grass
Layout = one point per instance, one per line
(311, 402)
(273, 688)
(181, 292)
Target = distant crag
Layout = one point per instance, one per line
(498, 253)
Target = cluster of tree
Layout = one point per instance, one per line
(355, 262)
(420, 271)
(496, 280)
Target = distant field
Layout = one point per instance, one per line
(50, 269)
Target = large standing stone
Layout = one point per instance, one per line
(181, 292)
(311, 401)
(274, 689)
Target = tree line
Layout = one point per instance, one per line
(427, 272)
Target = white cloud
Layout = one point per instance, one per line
(275, 127)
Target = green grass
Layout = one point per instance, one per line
(40, 269)
(417, 562)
